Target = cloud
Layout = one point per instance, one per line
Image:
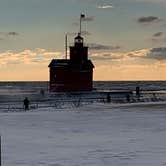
(106, 56)
(9, 33)
(137, 64)
(158, 34)
(148, 19)
(28, 57)
(95, 46)
(138, 53)
(105, 6)
(157, 53)
(100, 53)
(131, 57)
(158, 38)
(12, 33)
(6, 35)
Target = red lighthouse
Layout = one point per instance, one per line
(74, 74)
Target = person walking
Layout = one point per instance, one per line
(137, 91)
(26, 103)
(108, 97)
(128, 98)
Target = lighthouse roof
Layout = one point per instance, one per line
(67, 63)
(79, 37)
(59, 63)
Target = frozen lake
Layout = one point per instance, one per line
(93, 135)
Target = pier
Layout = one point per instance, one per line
(76, 99)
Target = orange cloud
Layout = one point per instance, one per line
(33, 65)
(28, 57)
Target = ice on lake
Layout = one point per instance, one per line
(92, 135)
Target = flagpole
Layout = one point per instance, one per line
(80, 23)
(81, 17)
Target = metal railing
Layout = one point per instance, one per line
(77, 100)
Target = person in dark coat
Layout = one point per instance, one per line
(138, 91)
(128, 97)
(26, 103)
(108, 98)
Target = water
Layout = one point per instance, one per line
(33, 87)
(130, 85)
(13, 87)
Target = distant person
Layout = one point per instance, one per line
(42, 92)
(26, 103)
(137, 91)
(128, 98)
(108, 98)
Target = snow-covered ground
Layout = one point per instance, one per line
(92, 135)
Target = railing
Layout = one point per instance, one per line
(77, 100)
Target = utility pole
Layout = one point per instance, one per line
(66, 45)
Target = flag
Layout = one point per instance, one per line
(82, 15)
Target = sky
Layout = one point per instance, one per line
(126, 38)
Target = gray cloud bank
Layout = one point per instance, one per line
(148, 19)
(158, 34)
(105, 6)
(6, 35)
(157, 53)
(95, 46)
(12, 33)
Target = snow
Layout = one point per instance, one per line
(92, 135)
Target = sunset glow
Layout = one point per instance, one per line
(126, 39)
